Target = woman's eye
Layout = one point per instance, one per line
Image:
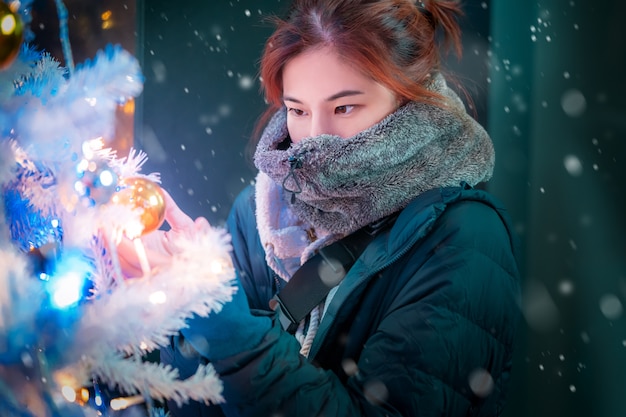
(344, 109)
(295, 111)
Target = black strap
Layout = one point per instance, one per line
(311, 283)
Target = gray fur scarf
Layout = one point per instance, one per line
(340, 185)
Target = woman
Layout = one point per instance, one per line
(364, 130)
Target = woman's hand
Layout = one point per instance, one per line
(158, 245)
(232, 330)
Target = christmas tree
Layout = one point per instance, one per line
(71, 322)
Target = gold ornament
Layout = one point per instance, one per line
(139, 192)
(11, 35)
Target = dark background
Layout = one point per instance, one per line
(547, 82)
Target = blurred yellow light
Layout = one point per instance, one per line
(84, 395)
(14, 6)
(128, 107)
(106, 15)
(125, 402)
(69, 393)
(8, 24)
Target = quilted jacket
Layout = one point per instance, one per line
(423, 324)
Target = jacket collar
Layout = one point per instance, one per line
(412, 225)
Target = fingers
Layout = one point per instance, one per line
(154, 247)
(127, 258)
(159, 246)
(129, 265)
(179, 220)
(175, 217)
(202, 224)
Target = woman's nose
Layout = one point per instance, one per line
(320, 125)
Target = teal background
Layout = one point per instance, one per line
(571, 359)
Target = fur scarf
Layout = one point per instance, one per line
(338, 185)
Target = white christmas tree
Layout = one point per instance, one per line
(69, 320)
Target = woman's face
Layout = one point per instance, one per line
(325, 95)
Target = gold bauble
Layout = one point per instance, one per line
(138, 192)
(11, 35)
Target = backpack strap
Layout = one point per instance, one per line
(312, 282)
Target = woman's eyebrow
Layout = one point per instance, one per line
(341, 94)
(344, 93)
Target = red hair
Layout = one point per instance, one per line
(392, 41)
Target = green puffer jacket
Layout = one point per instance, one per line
(422, 325)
